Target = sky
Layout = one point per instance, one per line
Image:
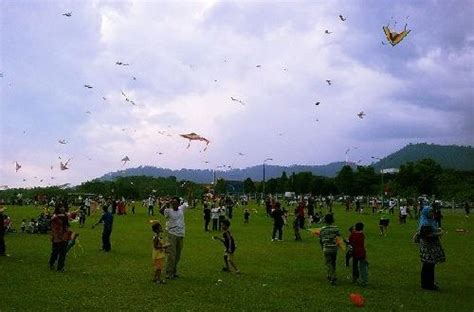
(187, 59)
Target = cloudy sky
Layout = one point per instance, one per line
(187, 59)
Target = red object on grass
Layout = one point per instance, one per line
(357, 300)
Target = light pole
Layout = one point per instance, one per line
(263, 182)
(381, 176)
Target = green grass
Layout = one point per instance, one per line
(279, 276)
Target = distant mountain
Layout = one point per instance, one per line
(207, 176)
(448, 156)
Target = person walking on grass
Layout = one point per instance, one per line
(229, 244)
(159, 251)
(60, 236)
(431, 251)
(176, 229)
(328, 240)
(278, 222)
(359, 256)
(108, 220)
(3, 248)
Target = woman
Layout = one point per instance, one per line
(431, 251)
(60, 236)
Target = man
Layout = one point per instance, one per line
(87, 204)
(151, 203)
(108, 220)
(175, 227)
(2, 232)
(229, 203)
(59, 238)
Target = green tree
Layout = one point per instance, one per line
(249, 186)
(221, 186)
(345, 180)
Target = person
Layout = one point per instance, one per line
(328, 240)
(3, 248)
(296, 227)
(349, 248)
(207, 216)
(431, 251)
(278, 222)
(229, 205)
(358, 208)
(466, 209)
(359, 257)
(150, 203)
(159, 252)
(23, 226)
(82, 217)
(300, 211)
(384, 222)
(437, 215)
(108, 220)
(176, 230)
(403, 214)
(246, 215)
(215, 217)
(229, 244)
(87, 205)
(222, 214)
(60, 236)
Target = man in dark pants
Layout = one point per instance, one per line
(59, 238)
(107, 219)
(2, 233)
(278, 222)
(229, 203)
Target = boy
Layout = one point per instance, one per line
(158, 254)
(327, 239)
(383, 223)
(246, 216)
(359, 261)
(349, 248)
(229, 244)
(296, 227)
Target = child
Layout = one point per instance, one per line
(246, 216)
(229, 244)
(327, 239)
(296, 228)
(383, 223)
(214, 217)
(403, 214)
(82, 217)
(222, 213)
(23, 226)
(158, 253)
(349, 250)
(359, 262)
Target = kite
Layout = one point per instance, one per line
(317, 103)
(62, 141)
(127, 98)
(237, 100)
(327, 32)
(64, 166)
(159, 153)
(122, 64)
(104, 98)
(68, 14)
(125, 159)
(342, 18)
(357, 300)
(88, 112)
(361, 114)
(258, 66)
(88, 86)
(195, 137)
(17, 166)
(393, 37)
(241, 154)
(328, 81)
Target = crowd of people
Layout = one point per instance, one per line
(307, 213)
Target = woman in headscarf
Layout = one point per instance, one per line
(431, 251)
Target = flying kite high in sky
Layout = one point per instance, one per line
(62, 141)
(64, 166)
(125, 159)
(17, 166)
(68, 14)
(393, 37)
(195, 137)
(361, 115)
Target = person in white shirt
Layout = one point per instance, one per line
(174, 214)
(215, 217)
(403, 214)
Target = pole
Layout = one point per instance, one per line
(263, 182)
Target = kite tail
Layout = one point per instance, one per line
(189, 144)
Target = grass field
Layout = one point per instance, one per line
(276, 276)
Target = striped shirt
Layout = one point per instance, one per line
(327, 238)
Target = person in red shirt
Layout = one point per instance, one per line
(60, 236)
(360, 266)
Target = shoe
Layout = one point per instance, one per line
(224, 269)
(162, 282)
(273, 239)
